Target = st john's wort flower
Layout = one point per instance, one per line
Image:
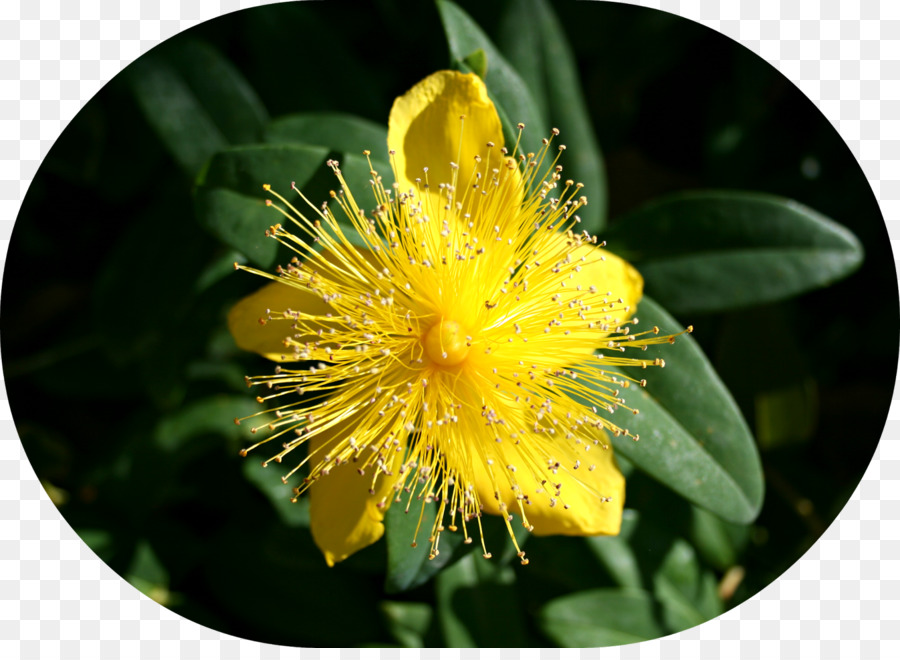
(460, 356)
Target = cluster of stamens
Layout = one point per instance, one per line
(457, 349)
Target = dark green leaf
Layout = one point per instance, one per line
(212, 416)
(601, 617)
(677, 585)
(717, 541)
(230, 200)
(220, 88)
(239, 221)
(407, 622)
(337, 131)
(708, 602)
(246, 169)
(268, 480)
(408, 566)
(505, 87)
(533, 39)
(98, 540)
(693, 438)
(196, 101)
(254, 572)
(477, 604)
(175, 113)
(146, 566)
(715, 251)
(148, 575)
(358, 176)
(617, 555)
(134, 315)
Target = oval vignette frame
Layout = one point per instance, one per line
(609, 166)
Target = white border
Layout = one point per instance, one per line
(793, 36)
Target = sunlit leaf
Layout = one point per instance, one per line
(714, 251)
(692, 436)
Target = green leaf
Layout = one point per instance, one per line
(246, 169)
(211, 416)
(477, 604)
(716, 251)
(337, 131)
(146, 566)
(221, 90)
(407, 622)
(409, 567)
(100, 541)
(717, 541)
(532, 38)
(600, 617)
(678, 585)
(148, 575)
(477, 62)
(505, 87)
(230, 201)
(693, 438)
(616, 553)
(195, 100)
(268, 480)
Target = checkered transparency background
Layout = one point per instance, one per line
(57, 600)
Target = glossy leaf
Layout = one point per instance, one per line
(534, 41)
(693, 438)
(722, 250)
(505, 87)
(600, 617)
(337, 131)
(408, 566)
(195, 100)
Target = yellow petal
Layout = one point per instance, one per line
(424, 128)
(595, 497)
(344, 516)
(268, 339)
(612, 276)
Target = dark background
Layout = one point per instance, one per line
(122, 378)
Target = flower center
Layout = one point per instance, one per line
(446, 343)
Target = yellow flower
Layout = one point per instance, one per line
(442, 361)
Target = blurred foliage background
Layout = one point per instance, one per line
(124, 382)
